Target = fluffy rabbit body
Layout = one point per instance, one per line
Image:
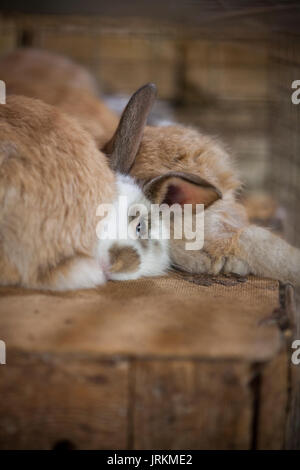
(59, 81)
(52, 181)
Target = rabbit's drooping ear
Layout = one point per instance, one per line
(181, 188)
(124, 145)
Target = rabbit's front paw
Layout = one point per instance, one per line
(234, 265)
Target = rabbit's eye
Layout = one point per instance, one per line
(141, 229)
(138, 229)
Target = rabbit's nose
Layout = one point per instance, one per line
(123, 259)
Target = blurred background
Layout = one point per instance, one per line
(223, 66)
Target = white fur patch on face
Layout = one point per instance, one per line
(120, 230)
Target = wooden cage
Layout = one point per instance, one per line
(208, 365)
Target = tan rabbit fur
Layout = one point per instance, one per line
(53, 182)
(231, 243)
(47, 162)
(178, 148)
(58, 81)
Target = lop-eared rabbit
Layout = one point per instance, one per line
(59, 81)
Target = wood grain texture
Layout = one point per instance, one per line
(283, 174)
(121, 64)
(50, 400)
(273, 399)
(192, 405)
(226, 70)
(8, 35)
(167, 362)
(293, 419)
(164, 363)
(159, 317)
(247, 19)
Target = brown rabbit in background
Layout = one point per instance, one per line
(52, 180)
(59, 81)
(177, 164)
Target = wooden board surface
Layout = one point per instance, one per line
(293, 422)
(192, 405)
(52, 401)
(159, 317)
(271, 404)
(256, 16)
(164, 363)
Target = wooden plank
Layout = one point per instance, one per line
(272, 404)
(81, 46)
(293, 419)
(63, 401)
(125, 76)
(121, 63)
(192, 405)
(249, 20)
(226, 70)
(230, 54)
(284, 173)
(8, 35)
(158, 317)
